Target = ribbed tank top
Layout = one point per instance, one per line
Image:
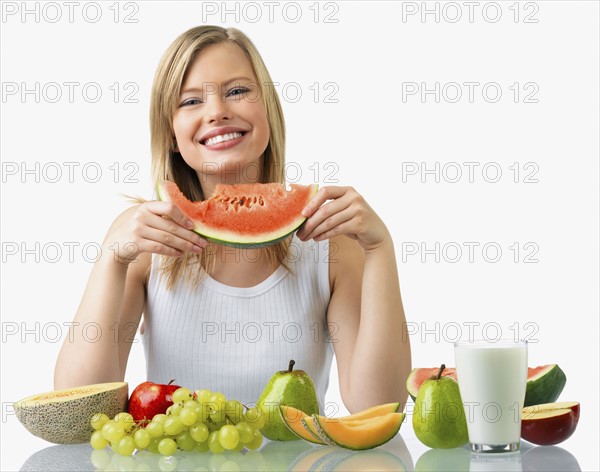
(232, 340)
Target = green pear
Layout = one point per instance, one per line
(439, 417)
(288, 387)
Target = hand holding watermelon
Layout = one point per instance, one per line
(154, 227)
(346, 213)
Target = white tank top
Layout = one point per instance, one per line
(232, 340)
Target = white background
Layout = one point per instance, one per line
(372, 138)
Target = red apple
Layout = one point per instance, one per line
(550, 423)
(149, 399)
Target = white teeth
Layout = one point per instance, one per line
(222, 137)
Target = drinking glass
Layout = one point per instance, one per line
(492, 377)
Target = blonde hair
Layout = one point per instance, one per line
(167, 164)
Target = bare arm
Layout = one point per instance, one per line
(372, 354)
(99, 339)
(113, 297)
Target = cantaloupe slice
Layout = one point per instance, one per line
(374, 411)
(63, 416)
(359, 434)
(292, 418)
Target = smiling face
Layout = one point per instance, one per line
(220, 122)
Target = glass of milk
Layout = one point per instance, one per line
(492, 377)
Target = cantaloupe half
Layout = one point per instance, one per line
(293, 419)
(63, 416)
(359, 434)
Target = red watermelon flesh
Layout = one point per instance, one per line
(244, 215)
(420, 375)
(544, 383)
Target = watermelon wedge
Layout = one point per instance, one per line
(420, 375)
(544, 383)
(244, 215)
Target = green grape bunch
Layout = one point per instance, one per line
(199, 421)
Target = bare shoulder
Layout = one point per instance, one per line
(140, 270)
(346, 260)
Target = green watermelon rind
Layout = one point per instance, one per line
(256, 242)
(546, 386)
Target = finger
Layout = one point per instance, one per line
(170, 239)
(331, 224)
(344, 228)
(325, 193)
(147, 245)
(171, 211)
(323, 214)
(171, 226)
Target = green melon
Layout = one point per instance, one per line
(244, 215)
(63, 416)
(544, 383)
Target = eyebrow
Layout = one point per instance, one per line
(196, 89)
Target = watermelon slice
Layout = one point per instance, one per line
(420, 375)
(244, 215)
(544, 383)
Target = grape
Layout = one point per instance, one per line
(203, 396)
(155, 429)
(229, 437)
(213, 443)
(246, 432)
(256, 441)
(174, 409)
(185, 441)
(125, 446)
(113, 432)
(181, 394)
(188, 416)
(190, 404)
(98, 441)
(217, 416)
(153, 446)
(202, 446)
(167, 447)
(125, 420)
(173, 425)
(99, 420)
(160, 418)
(142, 438)
(239, 447)
(234, 410)
(255, 418)
(219, 399)
(199, 432)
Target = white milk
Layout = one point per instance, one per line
(492, 378)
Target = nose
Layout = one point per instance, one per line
(217, 109)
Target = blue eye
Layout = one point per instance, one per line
(238, 91)
(191, 101)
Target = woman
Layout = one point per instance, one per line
(220, 318)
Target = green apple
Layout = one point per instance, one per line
(288, 387)
(439, 417)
